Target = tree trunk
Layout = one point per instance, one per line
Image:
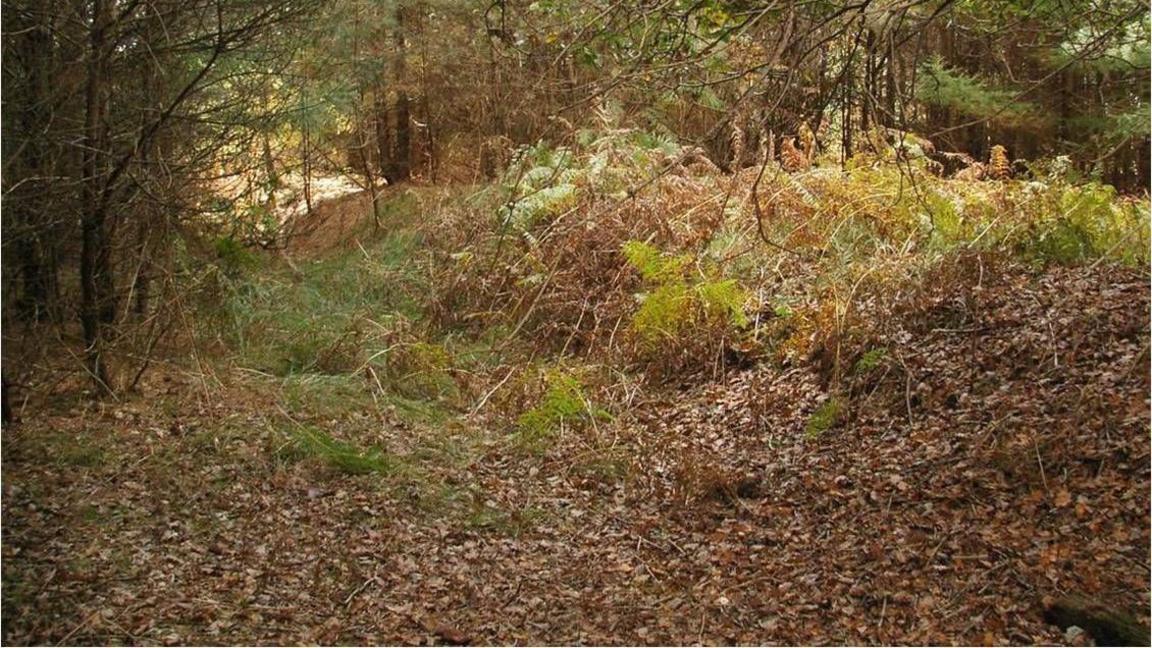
(383, 133)
(143, 288)
(97, 309)
(38, 270)
(306, 153)
(403, 152)
(869, 84)
(429, 139)
(403, 138)
(35, 241)
(1107, 626)
(426, 108)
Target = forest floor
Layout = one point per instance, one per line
(1005, 464)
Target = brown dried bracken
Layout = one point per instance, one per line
(974, 171)
(792, 158)
(807, 143)
(738, 140)
(999, 166)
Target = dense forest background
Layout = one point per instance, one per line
(128, 124)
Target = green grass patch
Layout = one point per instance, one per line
(349, 397)
(333, 315)
(870, 360)
(327, 397)
(312, 443)
(77, 452)
(415, 411)
(563, 403)
(827, 416)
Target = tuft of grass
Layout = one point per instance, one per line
(79, 453)
(344, 397)
(604, 468)
(310, 442)
(413, 410)
(827, 416)
(422, 370)
(327, 397)
(512, 523)
(326, 318)
(870, 360)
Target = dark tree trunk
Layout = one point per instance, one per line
(1108, 626)
(846, 102)
(37, 260)
(35, 243)
(383, 133)
(306, 154)
(403, 138)
(429, 139)
(403, 152)
(97, 309)
(890, 86)
(426, 108)
(5, 403)
(869, 84)
(143, 288)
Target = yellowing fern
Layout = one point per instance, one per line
(654, 265)
(723, 300)
(676, 304)
(563, 403)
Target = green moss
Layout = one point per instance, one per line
(79, 453)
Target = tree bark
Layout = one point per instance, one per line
(35, 241)
(1108, 626)
(403, 152)
(97, 309)
(383, 133)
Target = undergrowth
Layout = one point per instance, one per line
(676, 301)
(308, 442)
(627, 251)
(563, 404)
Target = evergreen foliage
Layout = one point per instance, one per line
(971, 96)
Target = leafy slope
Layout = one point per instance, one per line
(1005, 461)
